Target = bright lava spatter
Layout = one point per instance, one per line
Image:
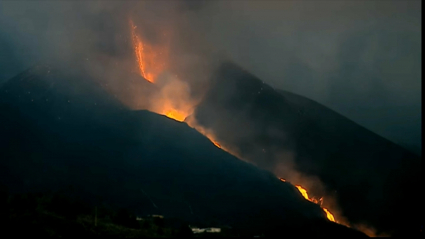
(139, 52)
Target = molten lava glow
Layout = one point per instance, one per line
(216, 144)
(176, 115)
(191, 121)
(329, 215)
(138, 51)
(303, 192)
(151, 59)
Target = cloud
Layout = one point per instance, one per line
(361, 59)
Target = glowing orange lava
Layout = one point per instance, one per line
(176, 115)
(191, 121)
(329, 215)
(151, 59)
(216, 144)
(138, 51)
(303, 192)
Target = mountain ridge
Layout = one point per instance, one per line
(73, 133)
(303, 102)
(370, 177)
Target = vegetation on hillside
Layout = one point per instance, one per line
(58, 215)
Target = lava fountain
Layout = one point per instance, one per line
(151, 59)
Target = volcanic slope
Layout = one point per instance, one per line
(61, 130)
(374, 181)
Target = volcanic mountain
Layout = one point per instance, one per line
(374, 181)
(60, 129)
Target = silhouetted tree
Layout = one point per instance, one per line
(125, 218)
(160, 231)
(146, 225)
(23, 203)
(184, 231)
(159, 221)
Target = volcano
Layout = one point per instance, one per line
(374, 181)
(60, 128)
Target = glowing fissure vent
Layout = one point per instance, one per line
(303, 192)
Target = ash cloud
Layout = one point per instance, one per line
(95, 31)
(360, 59)
(95, 36)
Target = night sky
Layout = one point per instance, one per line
(360, 58)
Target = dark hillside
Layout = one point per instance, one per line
(372, 178)
(61, 131)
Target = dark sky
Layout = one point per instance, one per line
(360, 58)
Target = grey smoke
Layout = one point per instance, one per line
(360, 58)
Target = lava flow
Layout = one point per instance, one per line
(303, 192)
(329, 215)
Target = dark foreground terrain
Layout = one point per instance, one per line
(64, 215)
